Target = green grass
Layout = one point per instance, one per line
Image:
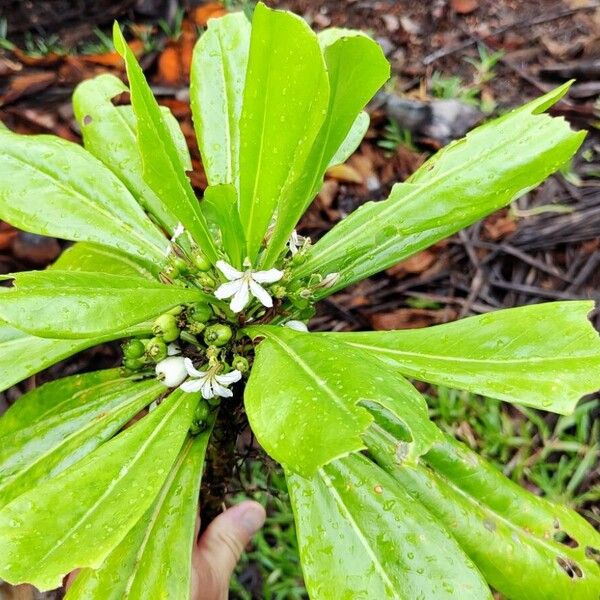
(551, 455)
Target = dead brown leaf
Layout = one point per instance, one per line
(26, 84)
(345, 173)
(113, 59)
(411, 318)
(415, 264)
(464, 7)
(203, 13)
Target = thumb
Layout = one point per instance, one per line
(221, 546)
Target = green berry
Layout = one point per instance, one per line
(201, 261)
(206, 281)
(133, 364)
(166, 325)
(196, 328)
(133, 349)
(298, 258)
(217, 335)
(156, 349)
(202, 411)
(201, 313)
(240, 363)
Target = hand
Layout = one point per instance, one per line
(220, 547)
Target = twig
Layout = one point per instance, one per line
(514, 25)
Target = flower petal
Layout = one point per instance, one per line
(270, 276)
(173, 349)
(226, 290)
(207, 391)
(219, 390)
(240, 298)
(296, 325)
(191, 385)
(228, 270)
(229, 378)
(192, 371)
(259, 292)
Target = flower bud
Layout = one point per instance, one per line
(329, 280)
(240, 363)
(196, 328)
(171, 371)
(218, 334)
(133, 349)
(278, 291)
(296, 325)
(166, 325)
(156, 349)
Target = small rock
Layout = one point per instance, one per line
(386, 45)
(36, 249)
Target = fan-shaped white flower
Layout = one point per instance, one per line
(208, 382)
(243, 284)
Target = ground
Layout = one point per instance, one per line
(488, 56)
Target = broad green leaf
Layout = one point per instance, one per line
(217, 79)
(71, 305)
(356, 69)
(54, 187)
(50, 398)
(221, 200)
(511, 535)
(307, 399)
(362, 536)
(69, 429)
(489, 168)
(87, 510)
(109, 133)
(285, 103)
(352, 141)
(546, 355)
(22, 355)
(163, 168)
(154, 559)
(92, 258)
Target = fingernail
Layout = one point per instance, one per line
(253, 517)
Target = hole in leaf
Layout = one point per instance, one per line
(593, 553)
(570, 567)
(562, 537)
(121, 99)
(87, 119)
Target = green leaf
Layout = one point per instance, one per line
(163, 168)
(154, 559)
(221, 200)
(110, 134)
(511, 535)
(76, 416)
(352, 141)
(356, 69)
(307, 399)
(91, 258)
(22, 355)
(66, 304)
(362, 536)
(285, 104)
(546, 355)
(467, 180)
(54, 187)
(217, 79)
(87, 510)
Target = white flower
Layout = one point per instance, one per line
(171, 371)
(173, 349)
(208, 382)
(242, 284)
(176, 233)
(296, 242)
(296, 325)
